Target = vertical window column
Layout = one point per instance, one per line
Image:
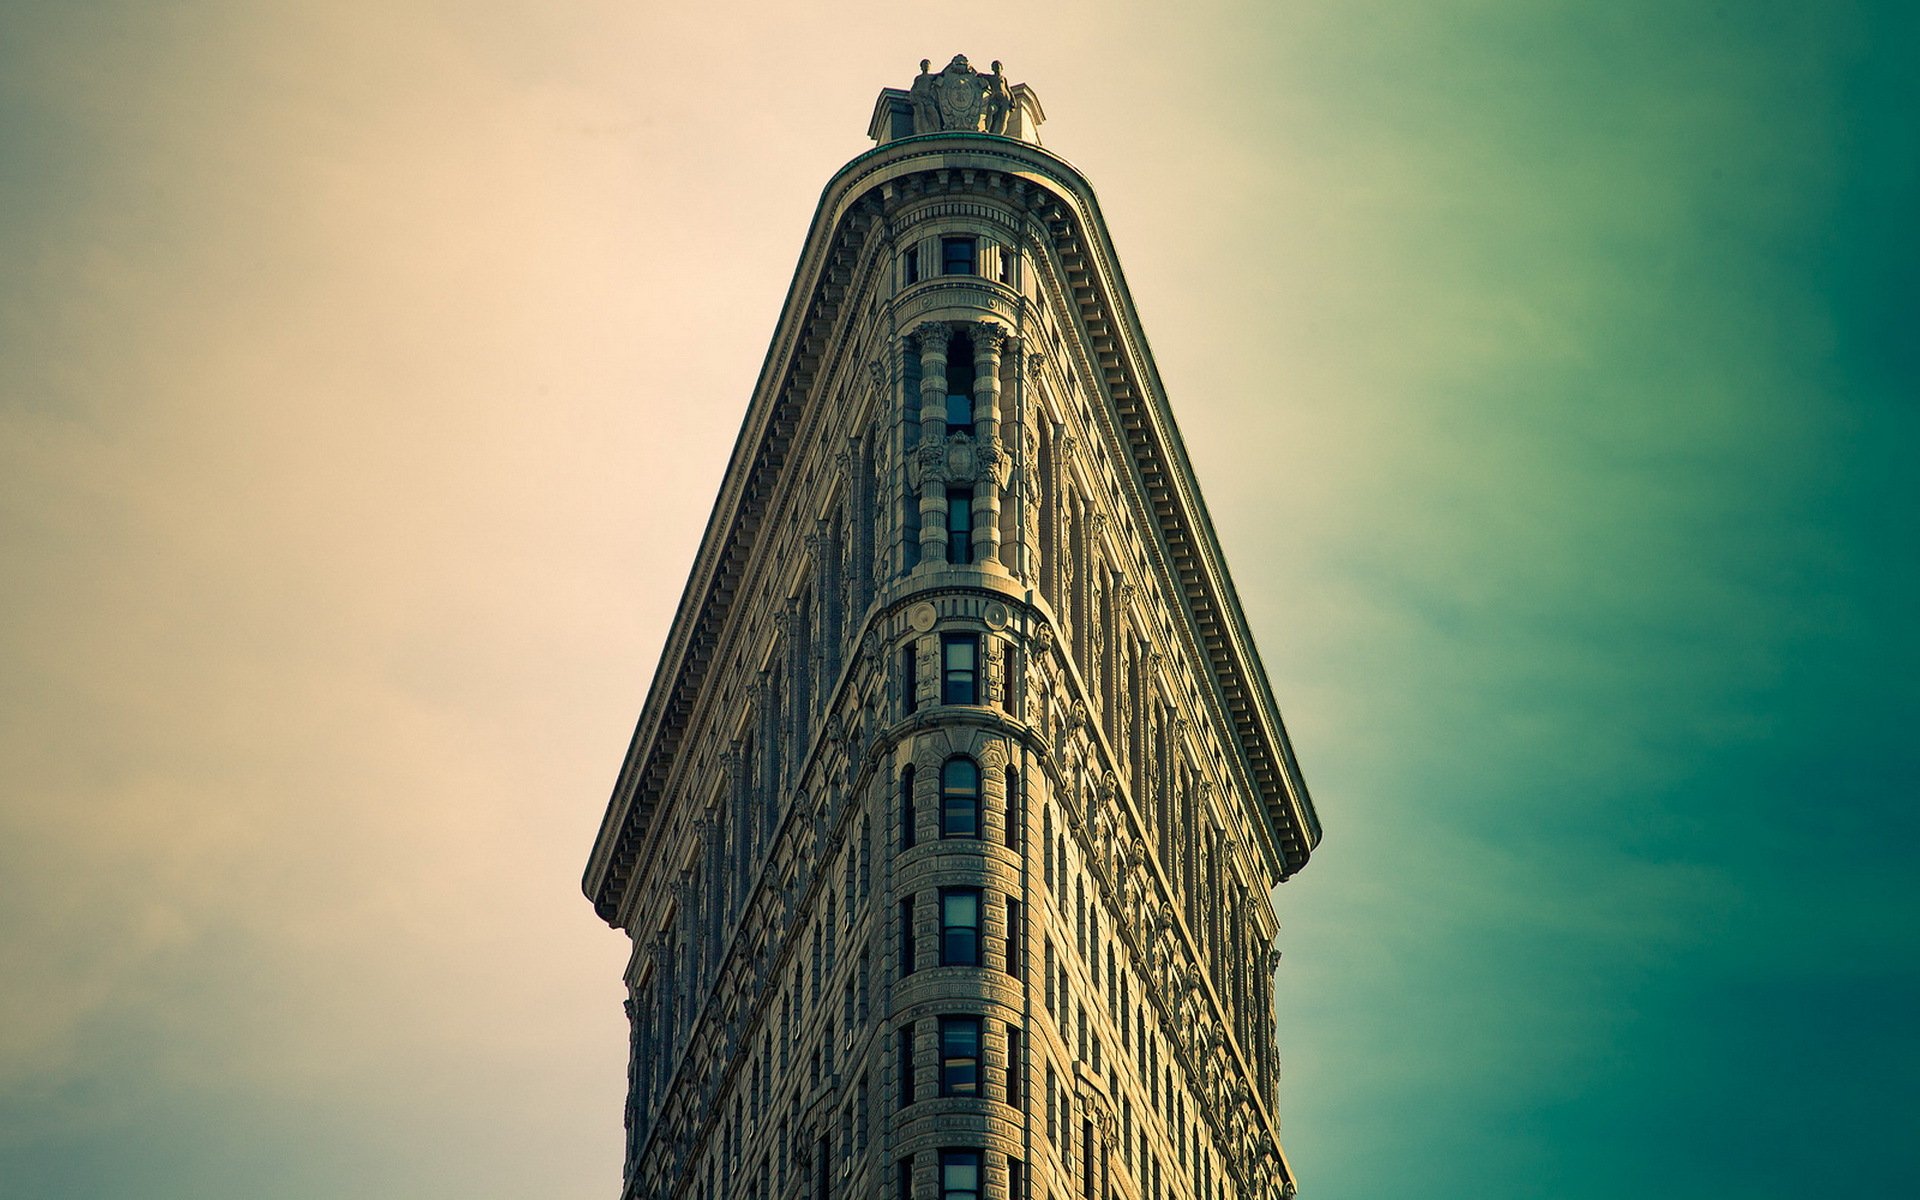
(928, 470)
(987, 340)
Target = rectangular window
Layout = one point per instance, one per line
(957, 256)
(960, 927)
(959, 656)
(1009, 681)
(1016, 939)
(1016, 1178)
(959, 798)
(960, 531)
(1047, 966)
(1005, 274)
(1016, 797)
(905, 1064)
(903, 1179)
(906, 809)
(909, 682)
(959, 412)
(1014, 1066)
(959, 1056)
(911, 262)
(960, 1175)
(906, 936)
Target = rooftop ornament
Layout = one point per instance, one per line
(958, 99)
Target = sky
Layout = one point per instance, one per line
(367, 372)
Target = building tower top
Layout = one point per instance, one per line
(958, 99)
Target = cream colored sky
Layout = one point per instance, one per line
(370, 370)
(367, 373)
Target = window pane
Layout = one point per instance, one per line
(958, 682)
(959, 413)
(957, 256)
(959, 816)
(960, 532)
(960, 799)
(960, 928)
(960, 1056)
(959, 1175)
(960, 775)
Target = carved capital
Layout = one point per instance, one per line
(931, 336)
(988, 337)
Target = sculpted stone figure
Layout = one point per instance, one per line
(961, 99)
(999, 101)
(926, 109)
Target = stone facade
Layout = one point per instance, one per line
(946, 837)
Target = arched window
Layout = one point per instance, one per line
(960, 799)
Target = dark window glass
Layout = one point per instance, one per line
(1006, 264)
(906, 809)
(959, 1175)
(956, 256)
(959, 1056)
(1016, 803)
(905, 1051)
(960, 799)
(1013, 1066)
(959, 413)
(960, 534)
(903, 1179)
(1016, 939)
(909, 678)
(960, 927)
(906, 936)
(913, 264)
(959, 659)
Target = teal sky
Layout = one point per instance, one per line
(367, 372)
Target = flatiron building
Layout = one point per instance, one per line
(947, 836)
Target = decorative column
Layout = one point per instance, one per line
(862, 516)
(794, 726)
(825, 548)
(992, 453)
(1026, 561)
(746, 839)
(928, 471)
